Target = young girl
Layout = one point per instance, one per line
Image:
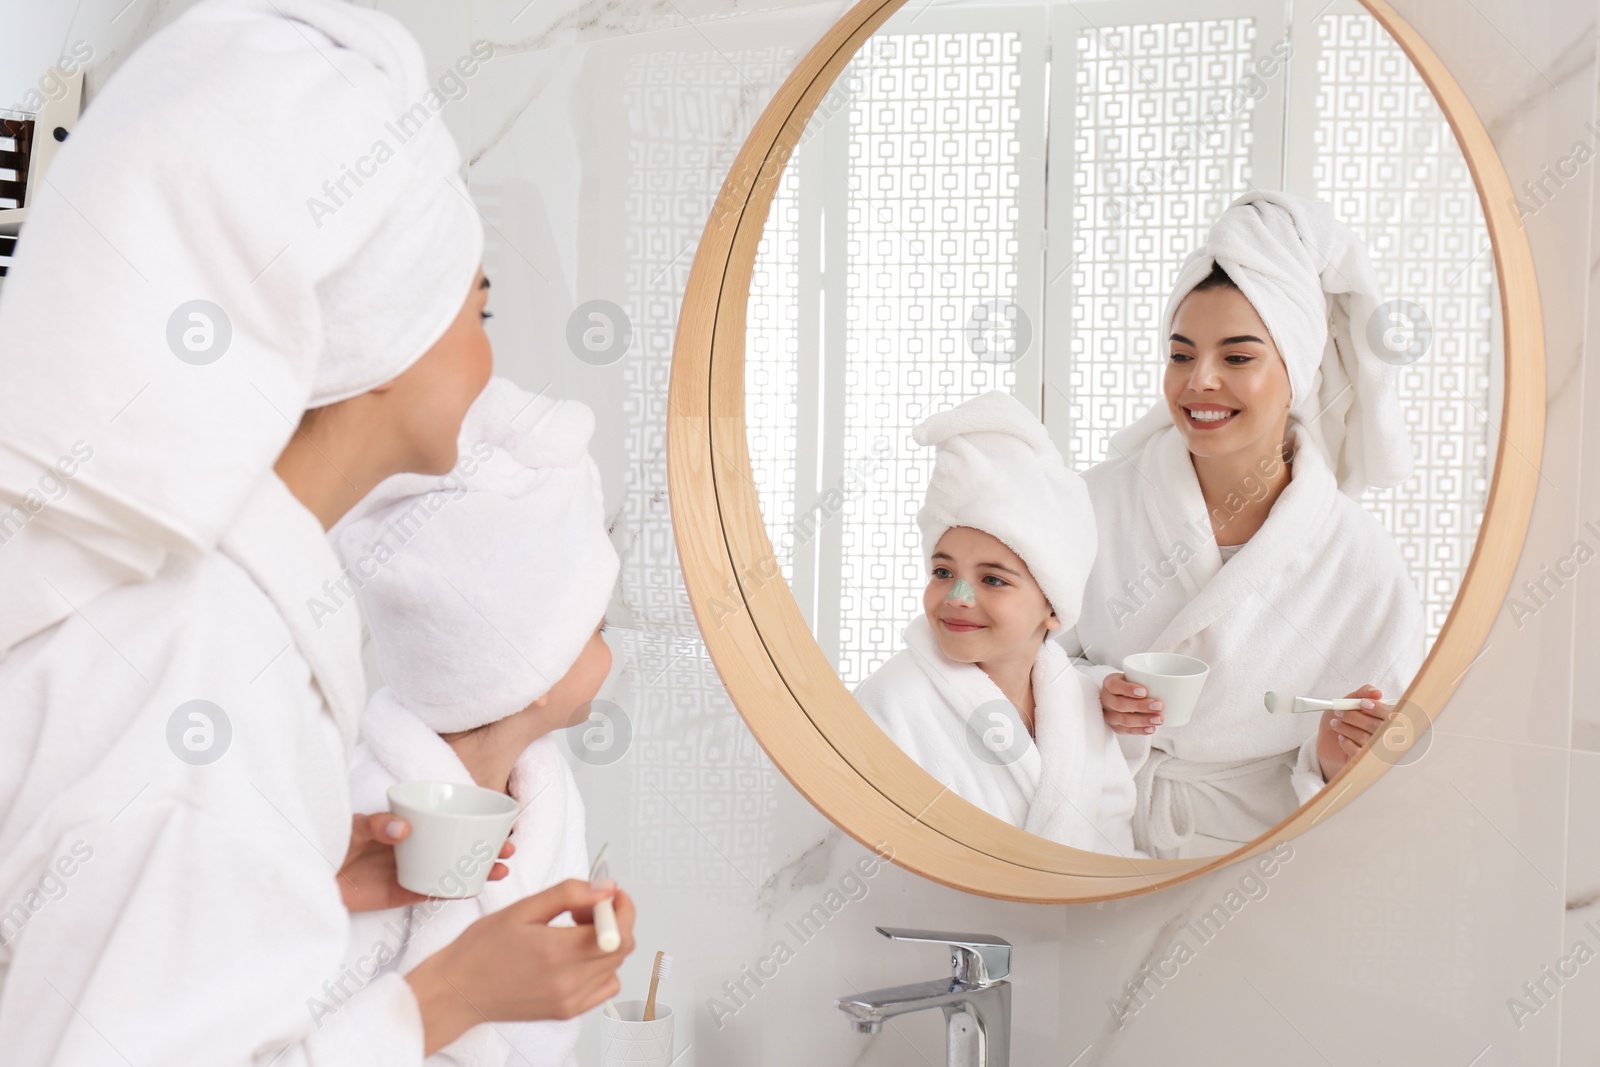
(982, 696)
(483, 591)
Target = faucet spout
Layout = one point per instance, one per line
(977, 1018)
(975, 999)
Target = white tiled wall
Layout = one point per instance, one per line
(1399, 931)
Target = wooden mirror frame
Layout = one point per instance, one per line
(788, 692)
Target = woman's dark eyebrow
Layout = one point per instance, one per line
(485, 283)
(1241, 339)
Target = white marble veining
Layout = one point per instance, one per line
(1414, 928)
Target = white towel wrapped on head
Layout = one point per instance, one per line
(158, 200)
(481, 587)
(997, 470)
(1309, 278)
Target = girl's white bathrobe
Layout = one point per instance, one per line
(138, 890)
(396, 746)
(1317, 603)
(1071, 785)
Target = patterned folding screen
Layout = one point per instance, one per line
(1167, 124)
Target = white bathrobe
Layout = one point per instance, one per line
(1317, 603)
(201, 917)
(1071, 785)
(397, 746)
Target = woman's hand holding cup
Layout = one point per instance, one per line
(368, 879)
(1128, 707)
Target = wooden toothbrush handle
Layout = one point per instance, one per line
(650, 1001)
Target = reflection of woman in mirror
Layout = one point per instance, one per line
(1231, 529)
(980, 697)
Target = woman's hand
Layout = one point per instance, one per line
(513, 966)
(1344, 733)
(1127, 707)
(368, 881)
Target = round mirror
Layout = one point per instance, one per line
(1113, 420)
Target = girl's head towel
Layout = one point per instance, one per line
(242, 157)
(481, 587)
(996, 470)
(1308, 277)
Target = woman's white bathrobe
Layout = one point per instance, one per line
(396, 746)
(1071, 785)
(1317, 603)
(209, 894)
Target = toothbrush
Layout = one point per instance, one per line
(605, 915)
(1279, 704)
(662, 968)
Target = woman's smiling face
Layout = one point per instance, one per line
(1226, 384)
(1002, 612)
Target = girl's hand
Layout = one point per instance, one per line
(1127, 707)
(512, 966)
(368, 880)
(1344, 733)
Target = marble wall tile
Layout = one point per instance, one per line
(1586, 672)
(1572, 985)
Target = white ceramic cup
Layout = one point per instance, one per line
(632, 1041)
(455, 838)
(1174, 680)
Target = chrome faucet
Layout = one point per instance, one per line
(976, 998)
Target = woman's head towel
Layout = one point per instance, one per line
(996, 470)
(481, 588)
(1309, 278)
(221, 163)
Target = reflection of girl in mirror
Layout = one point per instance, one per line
(1232, 530)
(980, 697)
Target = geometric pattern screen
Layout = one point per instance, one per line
(1397, 177)
(1159, 154)
(933, 244)
(932, 253)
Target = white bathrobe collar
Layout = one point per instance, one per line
(1177, 510)
(282, 546)
(1073, 782)
(967, 687)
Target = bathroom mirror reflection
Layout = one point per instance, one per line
(968, 268)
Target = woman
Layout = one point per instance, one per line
(1231, 530)
(180, 676)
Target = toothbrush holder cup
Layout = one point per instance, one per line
(630, 1040)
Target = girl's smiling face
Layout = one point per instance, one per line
(1226, 385)
(1005, 611)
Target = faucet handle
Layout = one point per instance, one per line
(977, 959)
